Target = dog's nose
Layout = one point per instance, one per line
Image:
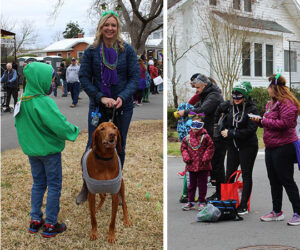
(112, 135)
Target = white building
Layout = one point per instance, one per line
(272, 24)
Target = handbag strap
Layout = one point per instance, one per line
(238, 172)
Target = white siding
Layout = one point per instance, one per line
(186, 19)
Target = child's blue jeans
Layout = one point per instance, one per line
(46, 172)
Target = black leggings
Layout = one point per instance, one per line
(217, 162)
(280, 168)
(246, 158)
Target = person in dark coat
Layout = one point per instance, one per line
(240, 132)
(209, 98)
(10, 80)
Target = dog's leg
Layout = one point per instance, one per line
(92, 205)
(102, 199)
(115, 204)
(126, 221)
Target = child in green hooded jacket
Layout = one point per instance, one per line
(42, 131)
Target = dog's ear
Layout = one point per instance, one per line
(94, 140)
(119, 142)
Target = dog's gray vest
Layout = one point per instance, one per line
(101, 186)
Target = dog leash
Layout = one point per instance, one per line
(114, 113)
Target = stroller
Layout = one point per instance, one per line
(4, 100)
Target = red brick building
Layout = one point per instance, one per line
(68, 48)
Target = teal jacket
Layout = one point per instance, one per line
(41, 128)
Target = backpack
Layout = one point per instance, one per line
(227, 209)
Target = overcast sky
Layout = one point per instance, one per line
(38, 11)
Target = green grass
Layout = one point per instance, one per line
(174, 147)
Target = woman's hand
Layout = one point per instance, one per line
(108, 102)
(181, 112)
(224, 133)
(119, 102)
(255, 119)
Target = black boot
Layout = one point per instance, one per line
(83, 195)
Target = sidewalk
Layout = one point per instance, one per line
(78, 115)
(184, 232)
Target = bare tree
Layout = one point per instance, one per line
(141, 18)
(174, 56)
(224, 41)
(26, 35)
(25, 31)
(57, 36)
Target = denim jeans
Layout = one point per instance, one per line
(74, 89)
(46, 172)
(123, 128)
(65, 87)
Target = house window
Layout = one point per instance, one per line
(258, 59)
(246, 59)
(59, 54)
(68, 54)
(292, 62)
(156, 35)
(79, 54)
(247, 5)
(237, 4)
(213, 2)
(269, 60)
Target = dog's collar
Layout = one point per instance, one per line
(98, 157)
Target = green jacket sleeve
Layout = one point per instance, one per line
(55, 121)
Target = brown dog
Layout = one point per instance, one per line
(102, 164)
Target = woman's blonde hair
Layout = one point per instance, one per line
(281, 91)
(98, 36)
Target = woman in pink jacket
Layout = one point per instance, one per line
(279, 123)
(197, 150)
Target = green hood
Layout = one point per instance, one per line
(39, 78)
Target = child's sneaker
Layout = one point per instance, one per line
(35, 225)
(189, 206)
(295, 221)
(52, 230)
(201, 206)
(183, 199)
(272, 216)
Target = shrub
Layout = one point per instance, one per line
(172, 122)
(260, 97)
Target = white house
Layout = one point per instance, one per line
(272, 25)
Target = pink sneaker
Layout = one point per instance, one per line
(272, 216)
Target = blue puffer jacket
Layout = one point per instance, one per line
(128, 75)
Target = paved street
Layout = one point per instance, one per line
(184, 232)
(78, 116)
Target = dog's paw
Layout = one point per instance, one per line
(111, 238)
(127, 223)
(93, 235)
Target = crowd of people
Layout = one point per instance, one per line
(67, 76)
(214, 126)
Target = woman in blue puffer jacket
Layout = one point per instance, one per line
(109, 74)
